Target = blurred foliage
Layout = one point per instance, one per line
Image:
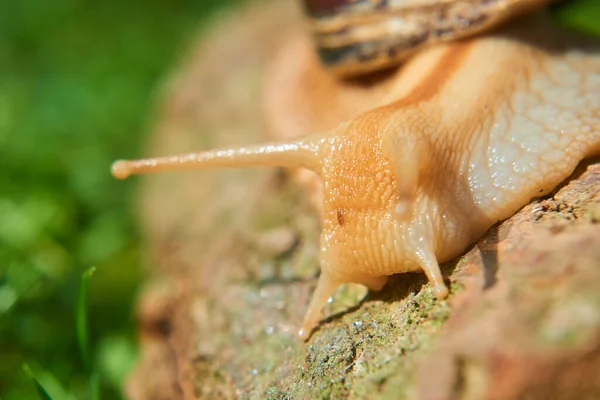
(77, 86)
(582, 15)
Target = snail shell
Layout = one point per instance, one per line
(355, 37)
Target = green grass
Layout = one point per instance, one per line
(78, 84)
(42, 393)
(84, 345)
(83, 337)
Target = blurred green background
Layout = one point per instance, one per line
(78, 83)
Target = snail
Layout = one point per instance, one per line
(416, 166)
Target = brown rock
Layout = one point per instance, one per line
(235, 261)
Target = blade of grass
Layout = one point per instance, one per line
(94, 386)
(38, 386)
(82, 317)
(83, 334)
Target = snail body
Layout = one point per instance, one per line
(458, 138)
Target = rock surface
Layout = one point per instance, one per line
(235, 262)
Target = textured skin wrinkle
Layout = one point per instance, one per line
(544, 133)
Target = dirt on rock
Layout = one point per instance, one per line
(233, 256)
